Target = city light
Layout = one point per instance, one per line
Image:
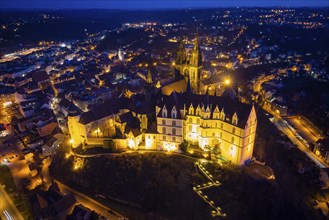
(7, 104)
(181, 100)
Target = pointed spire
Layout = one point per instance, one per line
(196, 43)
(188, 88)
(149, 77)
(158, 85)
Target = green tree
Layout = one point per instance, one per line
(216, 150)
(209, 149)
(184, 146)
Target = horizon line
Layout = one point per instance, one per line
(158, 8)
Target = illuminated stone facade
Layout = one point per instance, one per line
(124, 121)
(208, 121)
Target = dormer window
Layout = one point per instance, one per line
(198, 110)
(216, 113)
(173, 113)
(164, 112)
(235, 119)
(191, 110)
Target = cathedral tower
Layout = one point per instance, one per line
(189, 65)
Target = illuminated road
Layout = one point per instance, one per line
(91, 203)
(259, 81)
(305, 129)
(7, 208)
(293, 136)
(305, 132)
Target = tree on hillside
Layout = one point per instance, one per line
(184, 146)
(217, 150)
(209, 149)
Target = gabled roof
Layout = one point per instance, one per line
(103, 110)
(135, 131)
(65, 103)
(143, 107)
(230, 106)
(65, 203)
(126, 117)
(39, 76)
(179, 86)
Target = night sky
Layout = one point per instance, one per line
(115, 4)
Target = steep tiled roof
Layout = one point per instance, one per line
(142, 107)
(103, 110)
(230, 106)
(179, 86)
(39, 76)
(126, 117)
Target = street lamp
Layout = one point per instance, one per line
(71, 142)
(227, 82)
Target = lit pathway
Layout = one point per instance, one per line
(212, 183)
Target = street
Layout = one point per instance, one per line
(305, 129)
(7, 208)
(301, 135)
(284, 127)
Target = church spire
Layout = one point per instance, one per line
(149, 77)
(196, 56)
(196, 43)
